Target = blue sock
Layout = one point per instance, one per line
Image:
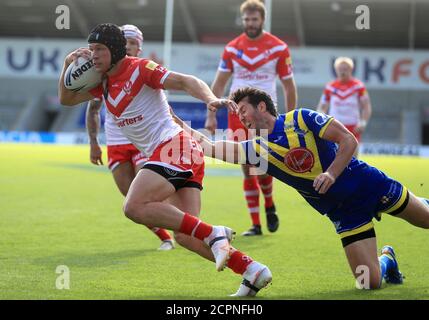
(386, 263)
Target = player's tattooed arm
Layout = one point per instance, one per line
(93, 120)
(92, 127)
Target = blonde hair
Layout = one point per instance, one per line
(345, 60)
(253, 5)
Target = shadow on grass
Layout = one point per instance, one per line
(99, 259)
(388, 292)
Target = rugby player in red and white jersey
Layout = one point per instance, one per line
(133, 94)
(346, 99)
(254, 59)
(124, 159)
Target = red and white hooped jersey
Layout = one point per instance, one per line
(256, 63)
(344, 100)
(137, 105)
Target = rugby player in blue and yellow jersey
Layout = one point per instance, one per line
(313, 153)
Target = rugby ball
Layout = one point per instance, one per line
(82, 76)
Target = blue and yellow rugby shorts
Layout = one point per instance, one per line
(382, 194)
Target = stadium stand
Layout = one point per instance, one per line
(307, 25)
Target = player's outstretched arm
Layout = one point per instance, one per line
(347, 144)
(198, 89)
(227, 151)
(92, 128)
(68, 97)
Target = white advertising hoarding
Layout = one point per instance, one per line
(384, 69)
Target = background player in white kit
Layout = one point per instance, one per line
(347, 100)
(254, 59)
(124, 159)
(175, 168)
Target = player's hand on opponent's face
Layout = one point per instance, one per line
(219, 103)
(323, 182)
(95, 154)
(81, 52)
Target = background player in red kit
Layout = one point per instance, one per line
(175, 167)
(254, 59)
(346, 99)
(124, 159)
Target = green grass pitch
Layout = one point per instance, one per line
(58, 209)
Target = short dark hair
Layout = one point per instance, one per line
(254, 96)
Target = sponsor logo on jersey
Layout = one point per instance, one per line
(251, 76)
(384, 200)
(267, 54)
(277, 139)
(299, 160)
(289, 125)
(151, 65)
(292, 125)
(130, 121)
(337, 224)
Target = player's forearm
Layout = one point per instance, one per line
(222, 150)
(290, 93)
(227, 151)
(198, 89)
(211, 114)
(218, 89)
(323, 107)
(346, 149)
(92, 122)
(207, 145)
(366, 110)
(291, 100)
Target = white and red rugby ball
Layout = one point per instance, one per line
(82, 76)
